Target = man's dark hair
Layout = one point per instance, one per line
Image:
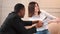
(18, 7)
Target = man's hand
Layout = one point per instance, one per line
(39, 24)
(36, 21)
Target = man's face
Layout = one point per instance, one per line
(22, 12)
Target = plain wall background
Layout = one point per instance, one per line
(7, 6)
(0, 10)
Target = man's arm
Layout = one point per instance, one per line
(29, 23)
(19, 27)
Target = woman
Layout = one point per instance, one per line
(36, 13)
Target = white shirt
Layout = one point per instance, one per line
(44, 17)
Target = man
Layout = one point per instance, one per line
(13, 23)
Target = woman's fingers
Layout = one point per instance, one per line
(57, 20)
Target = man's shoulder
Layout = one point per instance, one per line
(11, 16)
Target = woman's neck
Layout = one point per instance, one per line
(36, 14)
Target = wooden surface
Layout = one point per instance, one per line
(54, 28)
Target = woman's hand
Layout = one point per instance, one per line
(57, 20)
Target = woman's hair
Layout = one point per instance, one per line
(31, 8)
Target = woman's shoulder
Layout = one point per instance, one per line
(43, 11)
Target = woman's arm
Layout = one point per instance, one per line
(49, 15)
(57, 20)
(37, 25)
(29, 27)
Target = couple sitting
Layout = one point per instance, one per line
(15, 25)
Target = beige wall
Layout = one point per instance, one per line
(8, 6)
(51, 6)
(0, 10)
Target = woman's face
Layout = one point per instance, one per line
(36, 8)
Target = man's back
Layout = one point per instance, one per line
(13, 25)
